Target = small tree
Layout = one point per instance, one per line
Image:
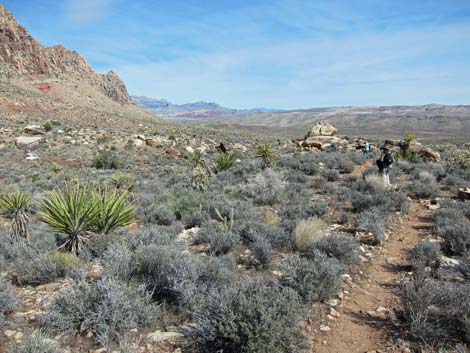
(16, 206)
(266, 153)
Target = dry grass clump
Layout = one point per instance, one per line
(307, 232)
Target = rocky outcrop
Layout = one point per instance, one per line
(321, 130)
(26, 57)
(322, 137)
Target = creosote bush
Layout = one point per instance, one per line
(220, 239)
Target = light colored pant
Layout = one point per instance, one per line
(386, 176)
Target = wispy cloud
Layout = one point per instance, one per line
(82, 12)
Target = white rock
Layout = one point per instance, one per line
(163, 336)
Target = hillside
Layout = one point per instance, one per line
(426, 120)
(191, 110)
(38, 83)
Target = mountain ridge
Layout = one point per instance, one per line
(26, 57)
(200, 109)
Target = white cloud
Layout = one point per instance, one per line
(83, 12)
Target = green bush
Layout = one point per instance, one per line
(106, 159)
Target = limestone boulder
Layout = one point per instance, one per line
(322, 130)
(33, 130)
(22, 141)
(426, 153)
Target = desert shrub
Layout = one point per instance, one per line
(457, 236)
(262, 250)
(170, 275)
(417, 297)
(198, 219)
(217, 272)
(8, 301)
(157, 214)
(122, 181)
(398, 201)
(330, 174)
(183, 202)
(35, 270)
(106, 159)
(375, 183)
(156, 235)
(296, 177)
(98, 244)
(265, 188)
(118, 261)
(219, 239)
(276, 236)
(243, 318)
(424, 186)
(342, 248)
(346, 166)
(426, 254)
(37, 342)
(308, 232)
(372, 221)
(452, 224)
(65, 263)
(314, 279)
(107, 309)
(436, 313)
(458, 158)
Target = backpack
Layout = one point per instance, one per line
(380, 164)
(388, 160)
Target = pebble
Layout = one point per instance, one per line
(325, 329)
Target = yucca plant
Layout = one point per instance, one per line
(115, 210)
(17, 207)
(71, 212)
(266, 153)
(223, 162)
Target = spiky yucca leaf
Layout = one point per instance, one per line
(266, 153)
(16, 206)
(114, 210)
(223, 162)
(71, 212)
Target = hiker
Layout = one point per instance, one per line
(367, 150)
(222, 148)
(385, 163)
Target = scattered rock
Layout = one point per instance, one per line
(464, 194)
(28, 140)
(325, 329)
(33, 130)
(332, 302)
(158, 336)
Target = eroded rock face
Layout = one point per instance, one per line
(26, 57)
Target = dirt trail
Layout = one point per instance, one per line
(360, 326)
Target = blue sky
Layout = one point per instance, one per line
(274, 53)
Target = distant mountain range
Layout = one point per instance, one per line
(425, 120)
(192, 110)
